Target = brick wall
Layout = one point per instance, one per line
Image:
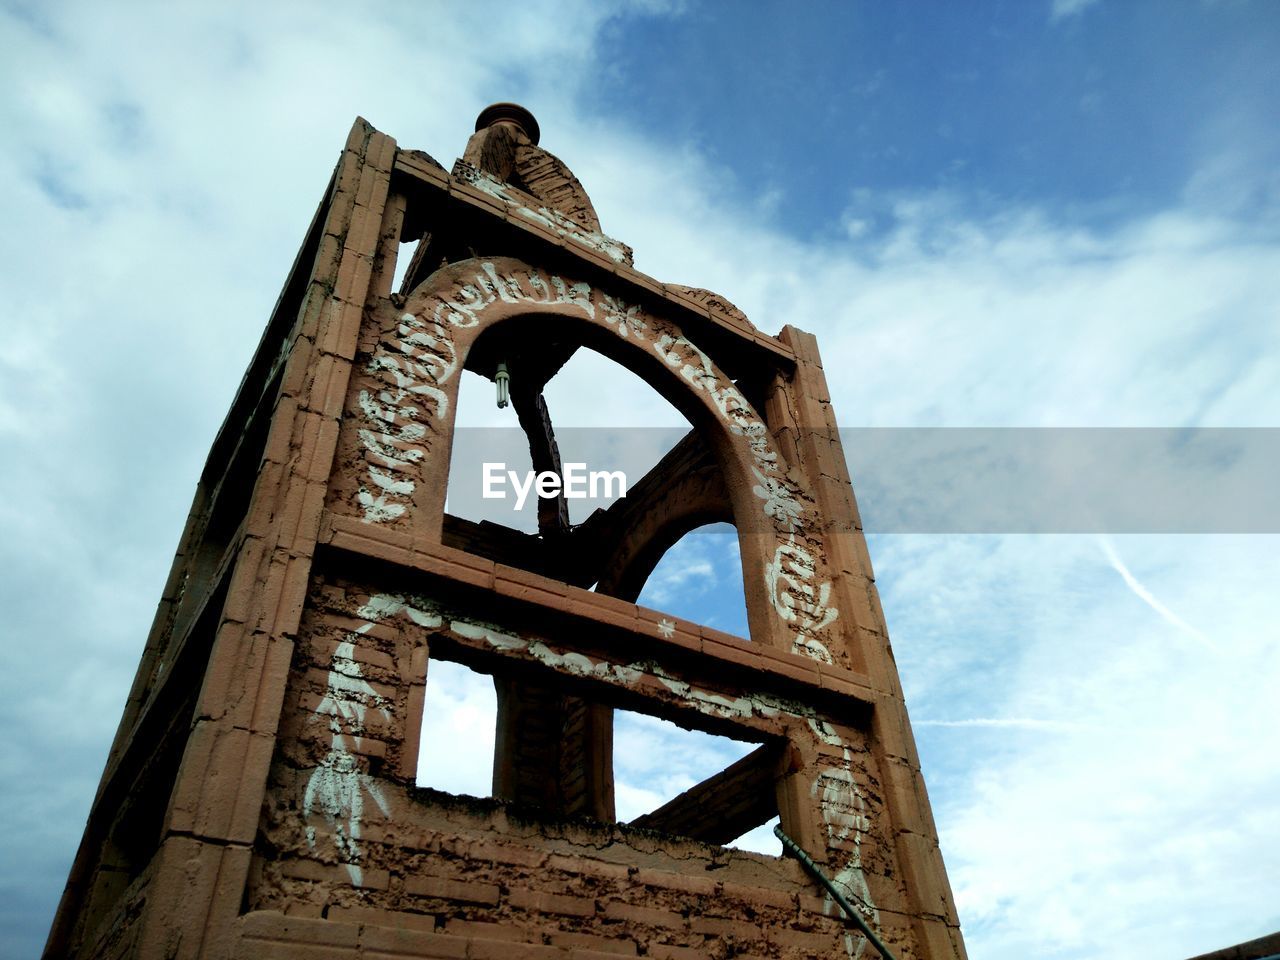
(443, 871)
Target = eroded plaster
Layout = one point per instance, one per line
(400, 421)
(337, 790)
(546, 217)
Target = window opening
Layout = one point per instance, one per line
(455, 752)
(406, 254)
(499, 455)
(656, 762)
(611, 420)
(700, 579)
(523, 738)
(760, 839)
(662, 776)
(485, 435)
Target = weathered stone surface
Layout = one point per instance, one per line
(260, 798)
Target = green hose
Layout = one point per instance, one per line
(836, 895)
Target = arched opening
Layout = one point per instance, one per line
(699, 578)
(484, 434)
(554, 750)
(593, 415)
(664, 775)
(512, 323)
(609, 539)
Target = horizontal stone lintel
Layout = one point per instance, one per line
(442, 187)
(618, 631)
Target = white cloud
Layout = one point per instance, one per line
(687, 574)
(1142, 774)
(458, 730)
(655, 760)
(700, 579)
(1011, 723)
(162, 165)
(1069, 8)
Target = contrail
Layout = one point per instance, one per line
(1018, 723)
(1146, 597)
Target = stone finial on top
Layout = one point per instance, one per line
(505, 146)
(509, 113)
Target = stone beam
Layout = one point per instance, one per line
(725, 806)
(683, 491)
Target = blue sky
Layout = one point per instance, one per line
(1097, 114)
(1039, 213)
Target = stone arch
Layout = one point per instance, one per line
(687, 492)
(405, 403)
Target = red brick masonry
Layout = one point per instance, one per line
(259, 799)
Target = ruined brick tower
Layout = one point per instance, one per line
(259, 798)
